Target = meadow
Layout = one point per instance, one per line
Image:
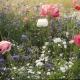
(45, 40)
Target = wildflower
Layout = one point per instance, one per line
(14, 68)
(63, 69)
(49, 10)
(42, 55)
(50, 37)
(29, 50)
(25, 57)
(38, 72)
(39, 64)
(27, 11)
(74, 1)
(25, 20)
(72, 54)
(78, 24)
(77, 40)
(48, 73)
(71, 42)
(42, 22)
(65, 46)
(56, 40)
(64, 42)
(5, 46)
(48, 65)
(77, 8)
(44, 47)
(46, 43)
(16, 57)
(23, 37)
(1, 60)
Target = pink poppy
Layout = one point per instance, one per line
(5, 46)
(49, 10)
(25, 20)
(77, 40)
(74, 1)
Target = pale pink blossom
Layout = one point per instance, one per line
(25, 20)
(5, 46)
(74, 1)
(71, 42)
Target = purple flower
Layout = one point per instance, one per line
(72, 54)
(1, 60)
(23, 11)
(2, 69)
(9, 79)
(16, 57)
(50, 37)
(21, 45)
(50, 58)
(51, 23)
(25, 57)
(78, 25)
(23, 37)
(29, 50)
(7, 69)
(48, 65)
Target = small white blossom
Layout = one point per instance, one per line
(46, 58)
(39, 64)
(65, 46)
(63, 69)
(48, 73)
(46, 43)
(42, 55)
(43, 52)
(28, 64)
(61, 54)
(49, 51)
(28, 77)
(37, 61)
(14, 68)
(44, 47)
(70, 66)
(66, 67)
(64, 42)
(38, 72)
(59, 45)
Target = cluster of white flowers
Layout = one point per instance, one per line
(66, 66)
(42, 58)
(60, 42)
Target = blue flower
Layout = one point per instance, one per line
(25, 57)
(29, 50)
(23, 37)
(16, 57)
(78, 25)
(1, 60)
(48, 65)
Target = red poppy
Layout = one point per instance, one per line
(77, 8)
